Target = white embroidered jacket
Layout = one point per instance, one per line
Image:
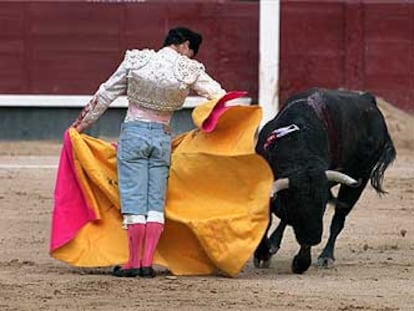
(157, 81)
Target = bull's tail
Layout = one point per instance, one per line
(386, 158)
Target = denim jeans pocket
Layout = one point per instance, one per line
(132, 145)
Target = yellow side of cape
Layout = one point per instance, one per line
(217, 199)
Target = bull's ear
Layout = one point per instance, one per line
(341, 178)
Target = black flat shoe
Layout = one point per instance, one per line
(147, 272)
(125, 273)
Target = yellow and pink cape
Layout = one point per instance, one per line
(217, 197)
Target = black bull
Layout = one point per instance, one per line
(317, 134)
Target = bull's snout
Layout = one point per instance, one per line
(308, 236)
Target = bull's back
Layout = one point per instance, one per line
(359, 127)
(350, 129)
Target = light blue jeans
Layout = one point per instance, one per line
(143, 159)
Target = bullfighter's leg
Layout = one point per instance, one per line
(347, 197)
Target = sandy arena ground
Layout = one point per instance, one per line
(374, 267)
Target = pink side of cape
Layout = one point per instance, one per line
(70, 211)
(210, 123)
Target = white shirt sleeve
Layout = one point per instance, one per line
(207, 87)
(107, 92)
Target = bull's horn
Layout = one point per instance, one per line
(280, 184)
(341, 178)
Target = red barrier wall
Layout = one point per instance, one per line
(66, 47)
(363, 45)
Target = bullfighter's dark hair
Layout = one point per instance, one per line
(179, 35)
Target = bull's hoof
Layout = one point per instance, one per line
(300, 264)
(326, 262)
(262, 264)
(273, 249)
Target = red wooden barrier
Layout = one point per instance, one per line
(69, 47)
(363, 45)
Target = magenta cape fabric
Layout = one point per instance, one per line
(69, 200)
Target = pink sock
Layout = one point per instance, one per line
(152, 236)
(136, 234)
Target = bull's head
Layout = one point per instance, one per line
(304, 204)
(333, 176)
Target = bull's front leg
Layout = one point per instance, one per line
(302, 261)
(347, 197)
(269, 246)
(326, 259)
(275, 238)
(262, 255)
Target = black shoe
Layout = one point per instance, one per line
(147, 272)
(125, 273)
